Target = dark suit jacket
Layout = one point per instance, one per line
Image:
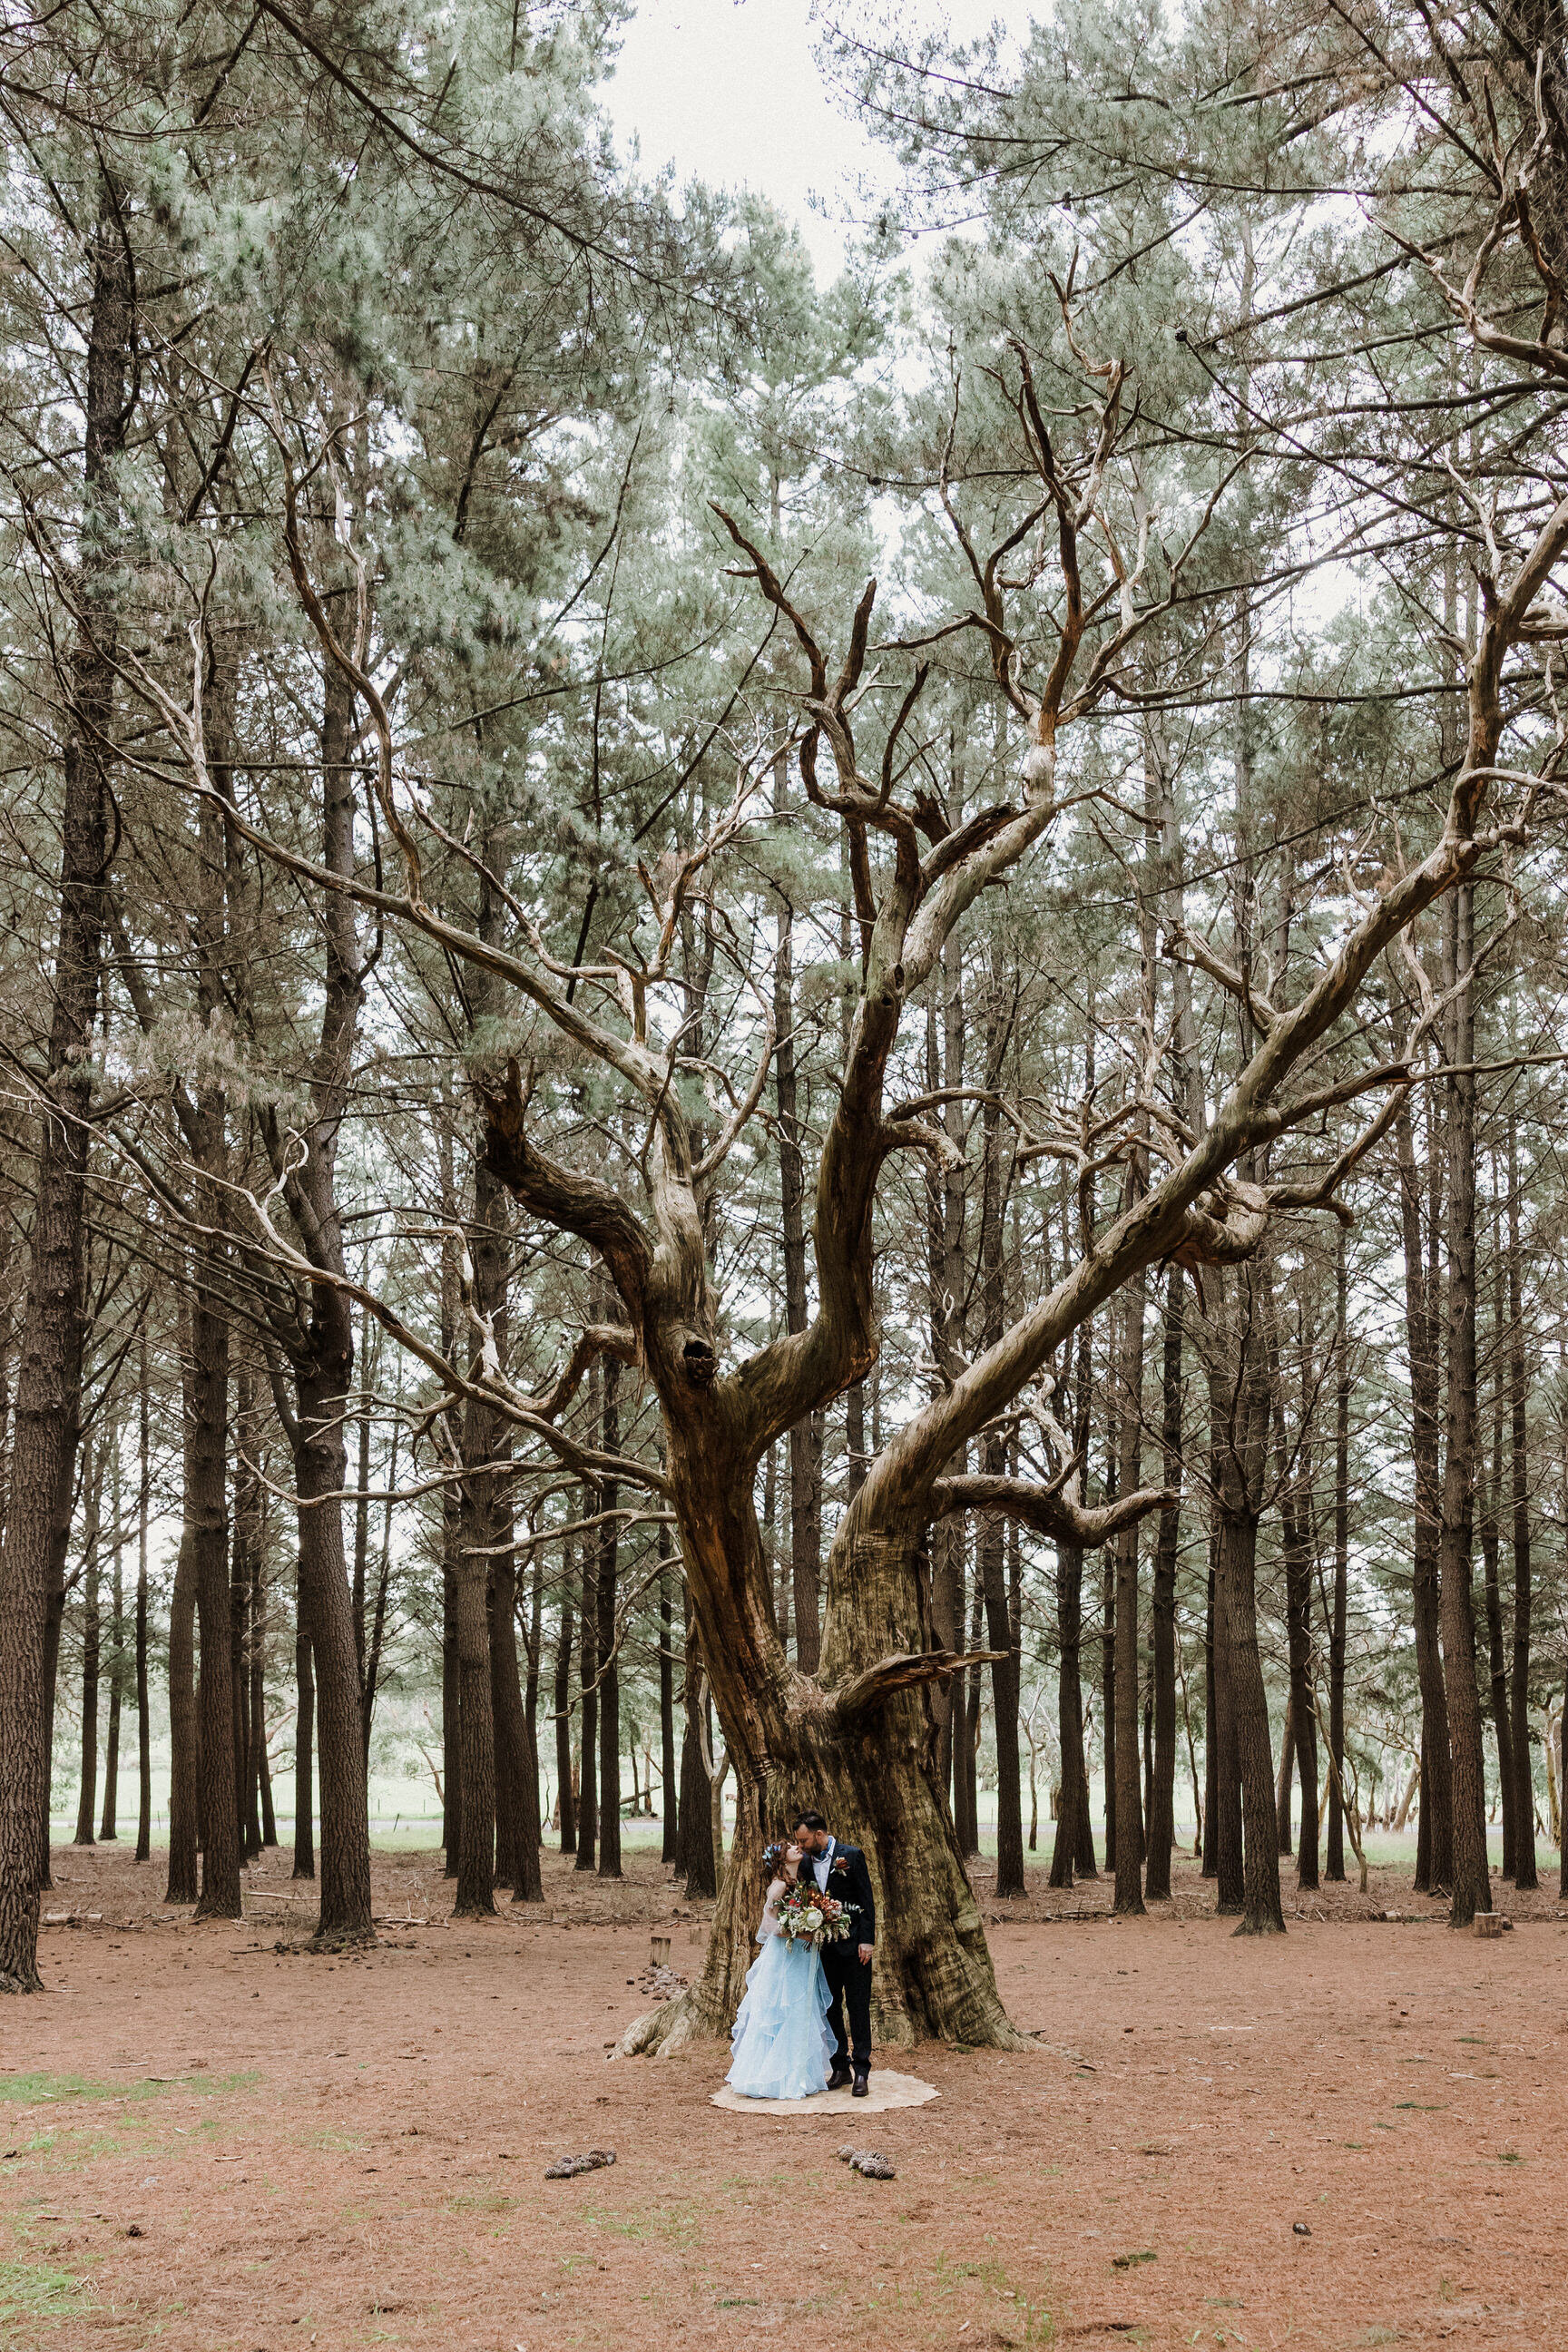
(849, 1881)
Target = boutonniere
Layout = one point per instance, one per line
(840, 1862)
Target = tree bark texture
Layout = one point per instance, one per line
(998, 1615)
(1239, 1403)
(143, 1509)
(609, 1673)
(589, 1697)
(1472, 1879)
(1525, 1873)
(321, 1349)
(182, 1885)
(1334, 1857)
(46, 1417)
(561, 1694)
(87, 1792)
(1162, 1828)
(304, 1745)
(1435, 1844)
(669, 1753)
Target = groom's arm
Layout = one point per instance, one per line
(866, 1925)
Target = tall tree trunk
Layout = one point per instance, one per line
(1489, 1534)
(207, 1460)
(1075, 1847)
(1163, 1778)
(481, 1759)
(208, 1510)
(669, 1805)
(92, 1534)
(48, 1380)
(320, 1464)
(319, 1341)
(1472, 1878)
(530, 1887)
(1128, 1896)
(1240, 1410)
(1261, 1909)
(451, 1690)
(566, 1795)
(517, 1857)
(259, 1631)
(474, 1898)
(588, 1703)
(697, 1861)
(1334, 1861)
(1211, 1775)
(239, 1661)
(143, 1513)
(609, 1678)
(451, 1520)
(1074, 1800)
(1285, 1780)
(304, 1743)
(944, 1291)
(506, 1715)
(969, 1746)
(182, 1885)
(990, 1548)
(1525, 1875)
(1435, 1837)
(109, 1827)
(1301, 1734)
(1108, 1726)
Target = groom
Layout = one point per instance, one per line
(840, 1871)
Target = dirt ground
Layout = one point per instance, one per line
(1348, 2137)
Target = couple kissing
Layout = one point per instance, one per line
(817, 1933)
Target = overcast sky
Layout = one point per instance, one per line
(728, 92)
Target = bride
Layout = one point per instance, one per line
(781, 2046)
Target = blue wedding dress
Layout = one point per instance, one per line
(781, 2045)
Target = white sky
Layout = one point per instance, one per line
(728, 92)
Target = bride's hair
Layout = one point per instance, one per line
(774, 1855)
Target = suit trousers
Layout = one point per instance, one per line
(849, 1982)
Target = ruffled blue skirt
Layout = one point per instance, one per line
(781, 2046)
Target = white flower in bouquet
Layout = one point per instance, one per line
(812, 1921)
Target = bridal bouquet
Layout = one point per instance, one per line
(808, 1917)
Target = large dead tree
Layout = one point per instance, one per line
(856, 1737)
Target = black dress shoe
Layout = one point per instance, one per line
(862, 2088)
(838, 2077)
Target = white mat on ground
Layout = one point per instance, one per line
(885, 2090)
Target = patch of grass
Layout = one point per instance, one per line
(1127, 2261)
(38, 2293)
(1510, 2156)
(1418, 2106)
(678, 2222)
(335, 2139)
(32, 2090)
(492, 2202)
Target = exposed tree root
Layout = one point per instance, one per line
(343, 1939)
(674, 2024)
